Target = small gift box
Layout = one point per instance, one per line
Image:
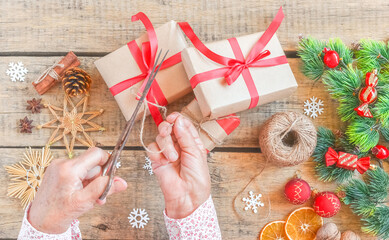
(125, 69)
(233, 75)
(212, 132)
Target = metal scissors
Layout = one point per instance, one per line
(109, 168)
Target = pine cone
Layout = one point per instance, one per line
(76, 81)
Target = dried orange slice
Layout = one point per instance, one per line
(273, 231)
(303, 224)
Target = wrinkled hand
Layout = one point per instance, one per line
(70, 187)
(181, 168)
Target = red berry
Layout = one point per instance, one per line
(297, 191)
(381, 152)
(331, 58)
(326, 204)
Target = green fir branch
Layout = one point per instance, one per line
(381, 108)
(309, 50)
(345, 53)
(372, 55)
(355, 190)
(377, 224)
(378, 184)
(344, 86)
(326, 139)
(368, 200)
(385, 132)
(363, 132)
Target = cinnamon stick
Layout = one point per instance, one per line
(49, 80)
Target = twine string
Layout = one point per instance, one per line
(254, 178)
(277, 127)
(275, 150)
(50, 72)
(199, 124)
(145, 108)
(289, 128)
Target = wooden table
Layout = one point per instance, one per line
(37, 33)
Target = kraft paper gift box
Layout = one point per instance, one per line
(121, 65)
(211, 132)
(216, 98)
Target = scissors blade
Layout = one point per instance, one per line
(110, 166)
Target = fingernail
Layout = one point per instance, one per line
(165, 131)
(173, 156)
(180, 122)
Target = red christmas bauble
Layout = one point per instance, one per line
(368, 94)
(380, 152)
(326, 204)
(297, 191)
(331, 58)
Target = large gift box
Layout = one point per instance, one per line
(125, 69)
(211, 132)
(233, 75)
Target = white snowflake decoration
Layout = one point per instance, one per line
(138, 218)
(17, 71)
(148, 166)
(313, 108)
(253, 202)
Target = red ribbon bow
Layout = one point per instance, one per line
(239, 66)
(145, 59)
(347, 161)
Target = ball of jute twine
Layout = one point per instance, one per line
(288, 139)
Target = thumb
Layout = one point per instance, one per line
(92, 192)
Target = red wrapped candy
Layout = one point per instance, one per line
(368, 94)
(347, 161)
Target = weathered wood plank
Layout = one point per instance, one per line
(102, 26)
(13, 97)
(229, 173)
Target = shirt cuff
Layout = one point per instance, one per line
(201, 224)
(29, 232)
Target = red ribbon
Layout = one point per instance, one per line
(240, 65)
(332, 157)
(145, 59)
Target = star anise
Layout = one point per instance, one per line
(25, 125)
(34, 105)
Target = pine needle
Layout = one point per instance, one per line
(310, 51)
(363, 133)
(372, 55)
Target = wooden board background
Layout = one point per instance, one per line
(39, 32)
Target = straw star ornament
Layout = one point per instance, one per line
(71, 123)
(26, 176)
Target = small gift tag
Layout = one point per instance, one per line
(54, 73)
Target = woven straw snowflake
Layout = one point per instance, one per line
(74, 122)
(26, 176)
